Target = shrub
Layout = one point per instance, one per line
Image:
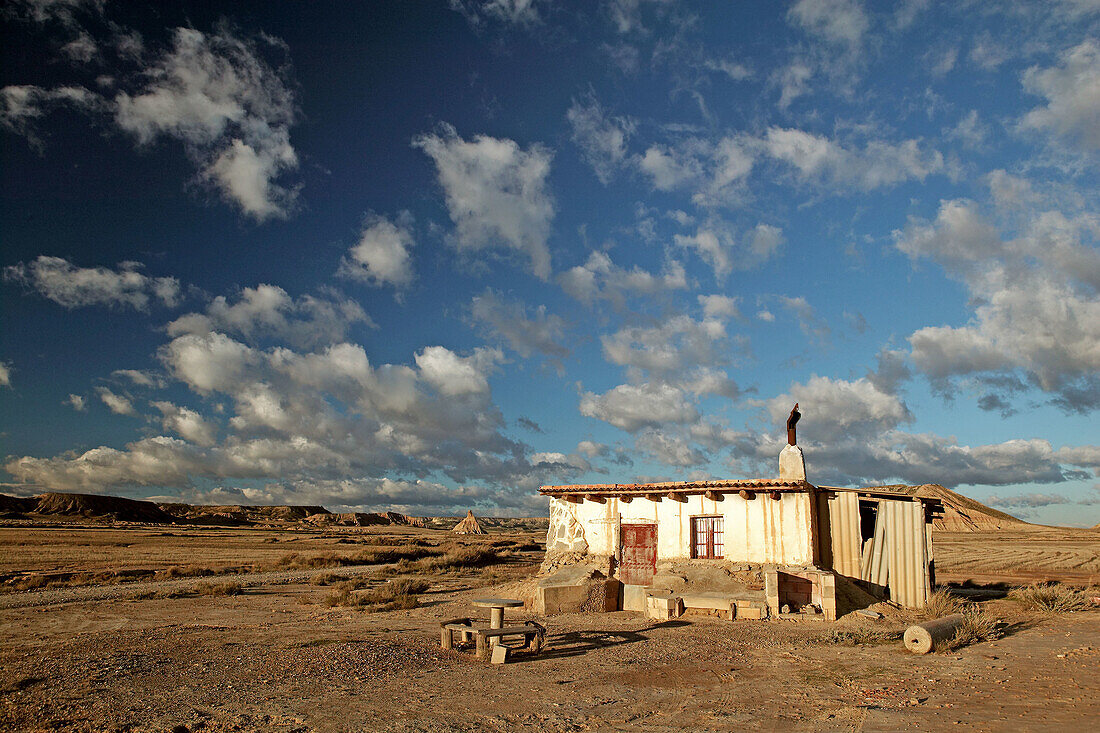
(226, 588)
(327, 578)
(976, 626)
(391, 596)
(1051, 598)
(854, 637)
(941, 603)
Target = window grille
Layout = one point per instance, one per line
(706, 538)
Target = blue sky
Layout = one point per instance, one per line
(430, 256)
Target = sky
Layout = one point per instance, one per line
(430, 256)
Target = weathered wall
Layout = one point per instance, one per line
(760, 530)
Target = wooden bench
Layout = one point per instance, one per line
(464, 627)
(534, 635)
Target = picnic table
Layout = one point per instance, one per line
(496, 608)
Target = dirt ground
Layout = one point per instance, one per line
(119, 658)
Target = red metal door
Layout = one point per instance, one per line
(639, 554)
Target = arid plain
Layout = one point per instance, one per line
(131, 627)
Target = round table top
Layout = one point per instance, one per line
(497, 602)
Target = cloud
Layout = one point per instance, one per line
(721, 307)
(233, 112)
(5, 374)
(22, 105)
(496, 193)
(720, 248)
(186, 423)
(1025, 501)
(793, 81)
(592, 449)
(1072, 92)
(836, 21)
(383, 253)
(601, 138)
(676, 344)
(267, 311)
(528, 424)
(715, 171)
(808, 321)
(1036, 308)
(214, 92)
(74, 287)
(508, 320)
(851, 431)
(454, 375)
(76, 402)
(118, 404)
(835, 410)
(317, 417)
(514, 12)
(633, 407)
(671, 450)
(822, 161)
(601, 279)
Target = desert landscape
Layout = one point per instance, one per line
(269, 622)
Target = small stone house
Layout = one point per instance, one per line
(709, 544)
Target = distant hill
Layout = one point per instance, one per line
(88, 506)
(115, 508)
(960, 514)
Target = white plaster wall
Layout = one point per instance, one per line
(760, 530)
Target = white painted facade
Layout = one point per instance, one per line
(757, 530)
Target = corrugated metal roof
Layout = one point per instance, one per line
(892, 492)
(687, 487)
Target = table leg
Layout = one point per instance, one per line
(496, 621)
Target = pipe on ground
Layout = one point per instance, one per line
(923, 638)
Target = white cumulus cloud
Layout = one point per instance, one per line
(496, 193)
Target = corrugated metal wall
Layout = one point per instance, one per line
(899, 553)
(906, 551)
(875, 560)
(844, 528)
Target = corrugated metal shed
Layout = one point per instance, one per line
(898, 553)
(844, 528)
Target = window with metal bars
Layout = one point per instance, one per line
(706, 538)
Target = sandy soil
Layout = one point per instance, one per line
(1034, 553)
(274, 659)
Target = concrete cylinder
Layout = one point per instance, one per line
(923, 638)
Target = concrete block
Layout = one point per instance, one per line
(634, 598)
(664, 609)
(500, 654)
(553, 599)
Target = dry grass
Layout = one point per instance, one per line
(858, 636)
(381, 555)
(227, 588)
(1052, 598)
(391, 596)
(977, 626)
(327, 578)
(941, 603)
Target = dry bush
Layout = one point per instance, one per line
(30, 582)
(327, 578)
(470, 557)
(391, 554)
(226, 588)
(369, 556)
(391, 596)
(195, 571)
(941, 603)
(976, 626)
(1052, 598)
(854, 637)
